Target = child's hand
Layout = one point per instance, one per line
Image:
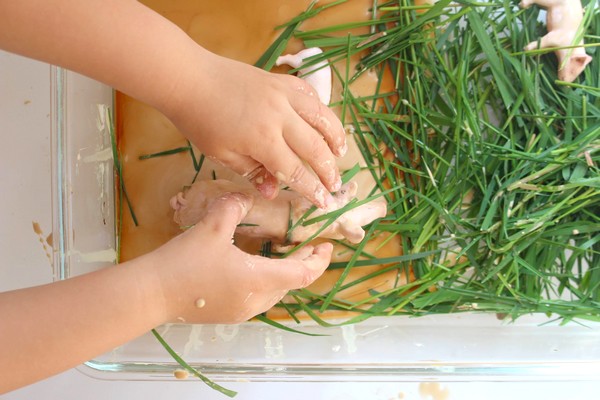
(262, 125)
(206, 279)
(199, 276)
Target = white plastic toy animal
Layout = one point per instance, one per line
(563, 20)
(318, 75)
(271, 218)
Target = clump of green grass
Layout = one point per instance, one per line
(494, 184)
(495, 162)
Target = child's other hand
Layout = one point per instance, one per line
(264, 126)
(206, 279)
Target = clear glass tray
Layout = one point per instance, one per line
(461, 347)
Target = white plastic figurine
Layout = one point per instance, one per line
(563, 20)
(271, 218)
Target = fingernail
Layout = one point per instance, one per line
(343, 149)
(320, 197)
(280, 176)
(337, 185)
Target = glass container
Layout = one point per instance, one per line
(460, 347)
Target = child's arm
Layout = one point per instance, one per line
(262, 125)
(199, 276)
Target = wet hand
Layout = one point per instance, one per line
(206, 279)
(267, 127)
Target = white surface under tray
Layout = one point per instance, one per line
(26, 218)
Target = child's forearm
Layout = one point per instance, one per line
(119, 42)
(48, 329)
(208, 98)
(198, 277)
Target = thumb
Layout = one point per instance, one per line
(225, 212)
(297, 271)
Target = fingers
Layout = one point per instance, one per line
(311, 147)
(307, 267)
(322, 119)
(288, 168)
(300, 85)
(264, 182)
(288, 143)
(260, 177)
(226, 212)
(278, 163)
(299, 270)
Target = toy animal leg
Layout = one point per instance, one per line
(551, 39)
(541, 3)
